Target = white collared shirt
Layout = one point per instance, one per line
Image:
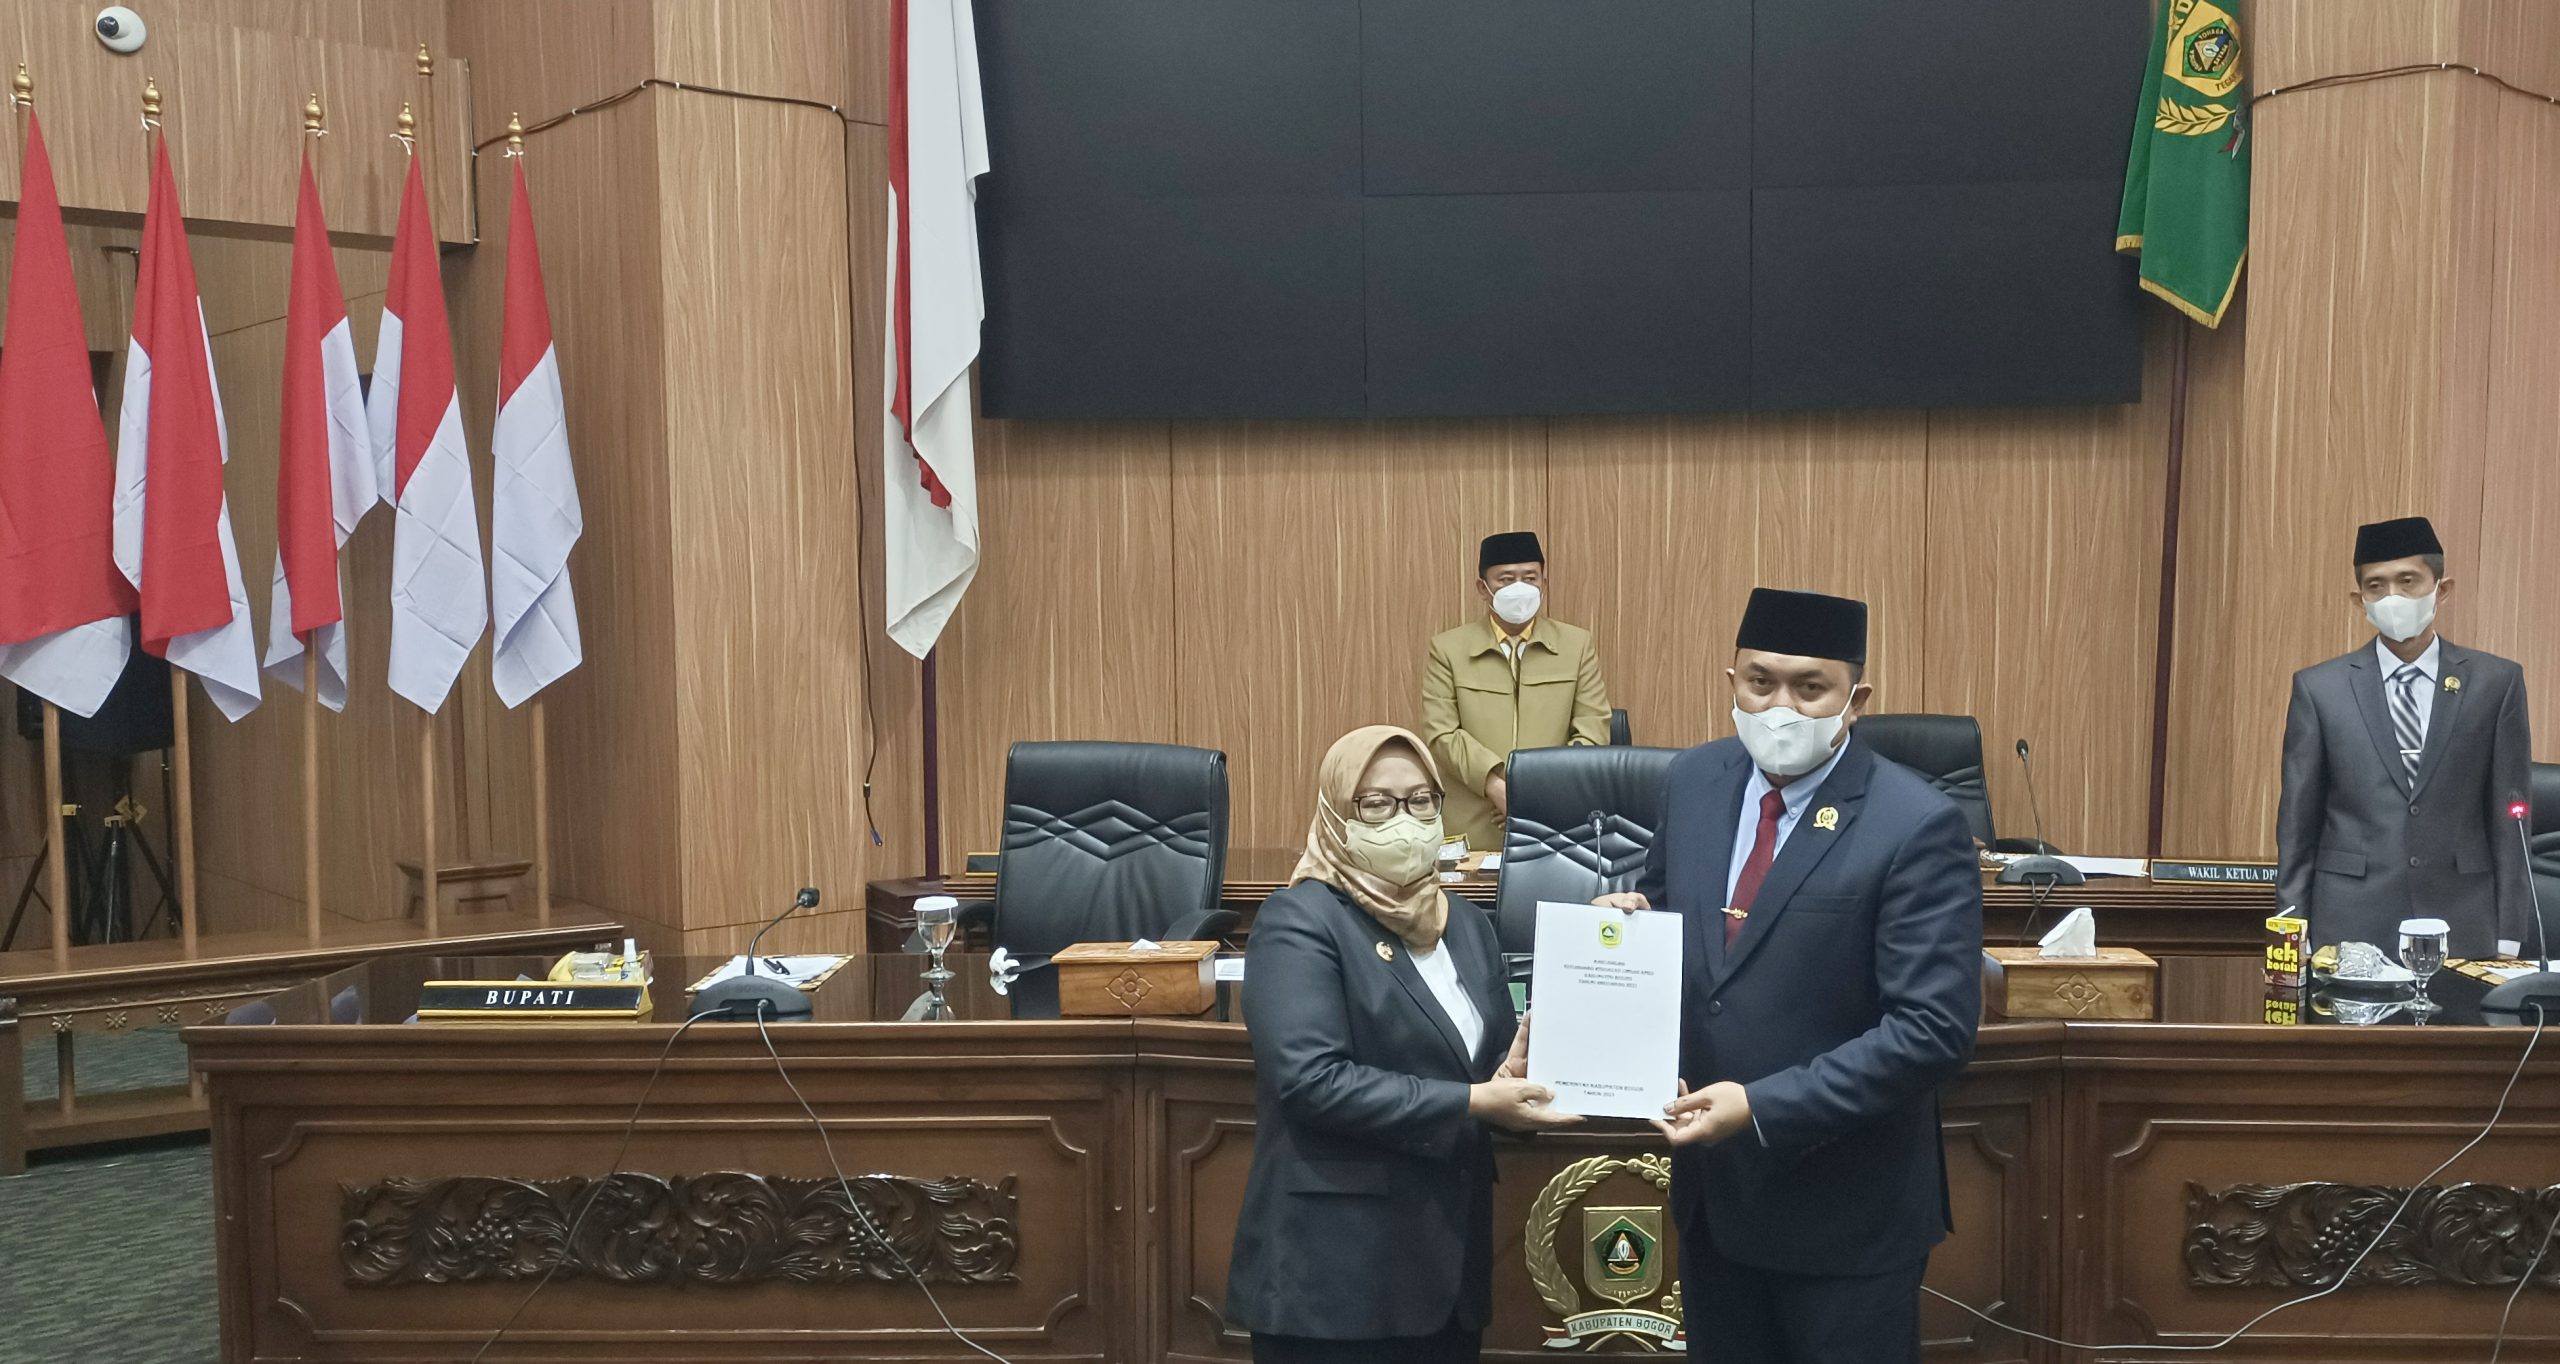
(1799, 795)
(1440, 971)
(2430, 666)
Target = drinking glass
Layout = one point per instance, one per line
(2422, 943)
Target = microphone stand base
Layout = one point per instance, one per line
(2520, 1001)
(742, 998)
(2050, 870)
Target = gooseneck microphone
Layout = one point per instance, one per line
(2041, 869)
(2536, 995)
(746, 996)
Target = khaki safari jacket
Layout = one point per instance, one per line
(1477, 707)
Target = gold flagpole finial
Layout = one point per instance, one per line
(426, 63)
(515, 134)
(22, 89)
(408, 125)
(312, 115)
(150, 102)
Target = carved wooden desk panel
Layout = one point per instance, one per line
(394, 1192)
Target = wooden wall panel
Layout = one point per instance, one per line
(2043, 567)
(595, 183)
(233, 76)
(1068, 632)
(768, 647)
(1312, 564)
(770, 47)
(1663, 525)
(2204, 688)
(2509, 587)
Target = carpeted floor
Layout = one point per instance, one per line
(106, 1253)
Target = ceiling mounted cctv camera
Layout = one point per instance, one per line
(120, 29)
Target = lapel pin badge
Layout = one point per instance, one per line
(2453, 684)
(1386, 953)
(1827, 818)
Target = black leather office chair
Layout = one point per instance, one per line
(1946, 750)
(1621, 734)
(2544, 859)
(1547, 838)
(1105, 842)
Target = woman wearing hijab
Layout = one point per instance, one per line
(1384, 1046)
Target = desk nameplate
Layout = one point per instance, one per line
(499, 1000)
(2213, 873)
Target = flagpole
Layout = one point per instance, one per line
(427, 797)
(311, 133)
(541, 736)
(184, 817)
(429, 891)
(57, 875)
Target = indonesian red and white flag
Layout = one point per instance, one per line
(324, 467)
(937, 299)
(173, 520)
(64, 632)
(439, 591)
(534, 512)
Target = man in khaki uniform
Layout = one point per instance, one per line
(1515, 679)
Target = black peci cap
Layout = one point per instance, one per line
(2405, 538)
(1509, 547)
(1807, 624)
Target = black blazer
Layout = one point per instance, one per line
(1851, 995)
(1368, 1213)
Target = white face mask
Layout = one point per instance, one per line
(1786, 742)
(2401, 619)
(1403, 852)
(1516, 602)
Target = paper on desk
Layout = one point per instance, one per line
(802, 972)
(2110, 866)
(1606, 985)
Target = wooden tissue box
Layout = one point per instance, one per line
(2119, 983)
(1115, 980)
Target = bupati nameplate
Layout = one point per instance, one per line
(495, 1000)
(2214, 873)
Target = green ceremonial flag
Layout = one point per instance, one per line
(2186, 181)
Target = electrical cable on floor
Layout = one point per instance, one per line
(854, 1203)
(2344, 1276)
(569, 1238)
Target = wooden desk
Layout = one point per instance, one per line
(391, 1192)
(2164, 920)
(120, 987)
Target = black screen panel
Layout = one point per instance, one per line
(1185, 98)
(1132, 307)
(1509, 304)
(1495, 96)
(1869, 92)
(1942, 296)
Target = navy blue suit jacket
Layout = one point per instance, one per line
(1851, 995)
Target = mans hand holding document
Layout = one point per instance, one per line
(1607, 989)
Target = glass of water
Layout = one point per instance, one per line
(2422, 944)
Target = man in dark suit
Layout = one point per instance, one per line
(2402, 762)
(1834, 982)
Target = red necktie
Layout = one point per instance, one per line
(1755, 868)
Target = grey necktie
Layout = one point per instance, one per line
(2404, 715)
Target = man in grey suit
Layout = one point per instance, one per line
(2403, 763)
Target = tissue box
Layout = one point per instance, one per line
(1116, 980)
(2119, 983)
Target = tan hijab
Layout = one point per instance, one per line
(1415, 913)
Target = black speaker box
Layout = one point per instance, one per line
(135, 718)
